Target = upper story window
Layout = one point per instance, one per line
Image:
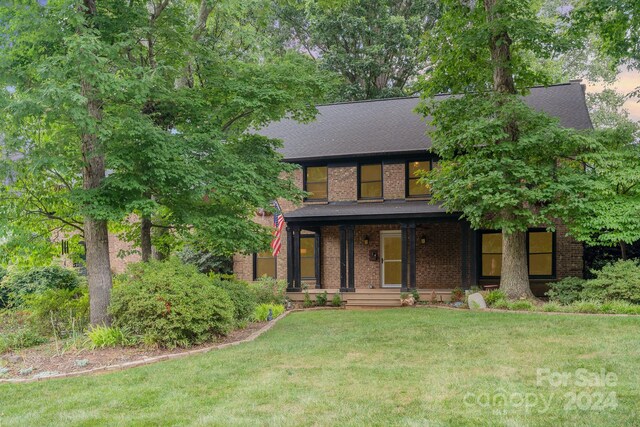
(370, 181)
(316, 182)
(414, 187)
(540, 250)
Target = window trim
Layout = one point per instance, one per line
(407, 178)
(359, 180)
(304, 183)
(255, 267)
(554, 254)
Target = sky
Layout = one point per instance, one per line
(627, 81)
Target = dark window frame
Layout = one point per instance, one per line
(407, 179)
(554, 254)
(304, 183)
(359, 180)
(255, 267)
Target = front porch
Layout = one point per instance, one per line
(373, 257)
(365, 298)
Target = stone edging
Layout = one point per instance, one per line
(150, 360)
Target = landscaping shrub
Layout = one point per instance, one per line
(307, 303)
(492, 297)
(17, 284)
(416, 295)
(617, 281)
(206, 262)
(619, 307)
(170, 304)
(262, 311)
(321, 299)
(336, 301)
(457, 295)
(59, 311)
(22, 338)
(244, 300)
(4, 293)
(108, 336)
(585, 307)
(566, 291)
(521, 305)
(269, 290)
(552, 307)
(16, 331)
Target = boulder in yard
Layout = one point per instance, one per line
(476, 301)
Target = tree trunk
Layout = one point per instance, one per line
(96, 232)
(514, 280)
(623, 250)
(205, 9)
(145, 239)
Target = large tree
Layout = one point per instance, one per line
(148, 111)
(372, 45)
(503, 165)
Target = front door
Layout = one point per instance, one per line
(391, 259)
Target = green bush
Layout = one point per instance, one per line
(552, 307)
(619, 307)
(566, 291)
(585, 307)
(522, 305)
(457, 295)
(244, 300)
(108, 336)
(492, 297)
(617, 281)
(4, 292)
(206, 262)
(59, 311)
(18, 284)
(336, 301)
(307, 303)
(502, 304)
(269, 291)
(321, 299)
(22, 338)
(262, 311)
(170, 304)
(416, 295)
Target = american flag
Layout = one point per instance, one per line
(278, 223)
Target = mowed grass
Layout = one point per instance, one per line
(379, 367)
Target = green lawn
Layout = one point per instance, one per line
(384, 367)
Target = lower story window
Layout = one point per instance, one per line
(540, 253)
(264, 265)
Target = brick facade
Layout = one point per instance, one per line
(438, 260)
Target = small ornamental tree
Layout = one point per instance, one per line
(611, 210)
(503, 165)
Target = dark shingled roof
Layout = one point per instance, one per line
(356, 129)
(372, 210)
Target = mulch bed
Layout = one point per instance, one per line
(46, 360)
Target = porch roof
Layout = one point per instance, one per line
(353, 211)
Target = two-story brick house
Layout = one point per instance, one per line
(367, 228)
